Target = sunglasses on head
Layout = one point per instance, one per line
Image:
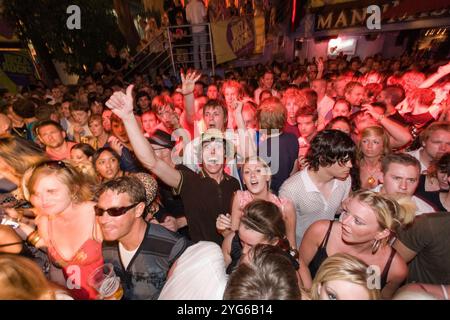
(53, 164)
(113, 212)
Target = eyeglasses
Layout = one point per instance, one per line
(113, 212)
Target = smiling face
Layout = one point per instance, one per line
(256, 177)
(355, 96)
(50, 195)
(116, 228)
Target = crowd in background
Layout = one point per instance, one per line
(322, 179)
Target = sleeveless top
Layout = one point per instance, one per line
(322, 254)
(235, 253)
(85, 260)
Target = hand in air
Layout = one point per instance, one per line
(122, 104)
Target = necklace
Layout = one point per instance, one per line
(372, 180)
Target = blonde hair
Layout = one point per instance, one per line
(373, 131)
(343, 267)
(22, 279)
(391, 212)
(79, 185)
(296, 94)
(20, 154)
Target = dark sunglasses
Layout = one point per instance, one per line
(113, 212)
(53, 164)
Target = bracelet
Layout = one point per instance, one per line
(33, 238)
(186, 94)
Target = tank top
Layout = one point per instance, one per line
(321, 255)
(85, 260)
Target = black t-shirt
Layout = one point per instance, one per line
(429, 237)
(431, 197)
(280, 154)
(204, 199)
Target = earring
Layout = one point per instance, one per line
(376, 246)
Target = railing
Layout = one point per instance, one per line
(166, 52)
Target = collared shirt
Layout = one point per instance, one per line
(421, 206)
(204, 199)
(310, 204)
(416, 154)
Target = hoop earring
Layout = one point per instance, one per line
(376, 246)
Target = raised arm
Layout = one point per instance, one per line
(246, 146)
(399, 135)
(442, 71)
(187, 89)
(122, 105)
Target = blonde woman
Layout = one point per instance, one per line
(368, 224)
(99, 135)
(343, 277)
(66, 223)
(373, 145)
(256, 177)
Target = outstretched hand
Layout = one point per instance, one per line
(188, 81)
(122, 104)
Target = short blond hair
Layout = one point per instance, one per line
(343, 267)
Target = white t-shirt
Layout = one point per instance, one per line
(421, 206)
(126, 255)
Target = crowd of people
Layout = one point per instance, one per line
(323, 179)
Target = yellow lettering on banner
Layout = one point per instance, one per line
(241, 36)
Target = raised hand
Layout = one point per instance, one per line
(122, 104)
(223, 222)
(188, 81)
(116, 145)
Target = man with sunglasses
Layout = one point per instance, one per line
(205, 195)
(141, 252)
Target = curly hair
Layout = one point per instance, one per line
(329, 147)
